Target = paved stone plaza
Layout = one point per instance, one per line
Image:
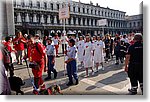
(112, 81)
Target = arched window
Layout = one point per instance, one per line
(38, 4)
(45, 5)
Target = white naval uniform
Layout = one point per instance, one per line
(88, 57)
(98, 51)
(80, 46)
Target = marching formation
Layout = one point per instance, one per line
(90, 52)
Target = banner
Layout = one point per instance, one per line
(102, 22)
(64, 13)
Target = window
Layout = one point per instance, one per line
(45, 5)
(38, 4)
(57, 6)
(83, 10)
(23, 17)
(51, 6)
(79, 9)
(30, 4)
(138, 24)
(74, 9)
(130, 25)
(87, 11)
(91, 11)
(22, 3)
(134, 24)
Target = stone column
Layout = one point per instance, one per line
(41, 4)
(93, 22)
(90, 10)
(61, 22)
(55, 6)
(72, 21)
(34, 2)
(49, 19)
(89, 22)
(55, 19)
(85, 8)
(42, 19)
(34, 18)
(71, 7)
(81, 8)
(67, 22)
(77, 23)
(18, 3)
(81, 22)
(76, 8)
(27, 18)
(26, 3)
(48, 6)
(19, 18)
(85, 21)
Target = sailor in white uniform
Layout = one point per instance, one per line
(88, 55)
(99, 47)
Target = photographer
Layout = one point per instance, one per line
(38, 61)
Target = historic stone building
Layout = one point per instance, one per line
(41, 16)
(135, 23)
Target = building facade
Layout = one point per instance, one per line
(41, 16)
(135, 23)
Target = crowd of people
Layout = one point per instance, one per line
(90, 51)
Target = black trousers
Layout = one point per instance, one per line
(135, 73)
(64, 47)
(107, 54)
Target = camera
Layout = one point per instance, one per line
(33, 65)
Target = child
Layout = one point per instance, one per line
(88, 60)
(51, 59)
(71, 62)
(99, 47)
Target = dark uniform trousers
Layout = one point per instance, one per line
(51, 66)
(72, 70)
(135, 73)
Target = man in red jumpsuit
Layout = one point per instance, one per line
(37, 55)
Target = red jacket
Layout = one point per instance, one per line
(36, 53)
(19, 43)
(8, 45)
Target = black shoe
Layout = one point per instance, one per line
(47, 78)
(77, 82)
(117, 63)
(132, 91)
(55, 75)
(69, 83)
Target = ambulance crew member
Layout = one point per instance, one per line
(38, 61)
(19, 42)
(80, 47)
(88, 55)
(71, 54)
(99, 48)
(134, 64)
(50, 50)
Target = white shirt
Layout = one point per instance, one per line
(50, 50)
(55, 41)
(64, 39)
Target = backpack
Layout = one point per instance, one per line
(6, 56)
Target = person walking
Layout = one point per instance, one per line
(99, 49)
(50, 50)
(88, 55)
(71, 54)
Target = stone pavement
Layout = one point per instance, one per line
(112, 81)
